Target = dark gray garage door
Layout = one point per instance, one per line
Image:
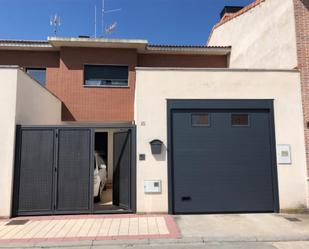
(222, 161)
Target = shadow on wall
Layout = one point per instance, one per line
(30, 58)
(162, 156)
(76, 58)
(66, 115)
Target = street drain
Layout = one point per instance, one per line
(17, 222)
(292, 219)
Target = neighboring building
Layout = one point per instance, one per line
(269, 34)
(182, 129)
(262, 35)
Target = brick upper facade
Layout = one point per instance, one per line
(301, 9)
(65, 77)
(108, 104)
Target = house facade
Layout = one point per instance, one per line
(179, 129)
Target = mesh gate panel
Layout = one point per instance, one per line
(73, 170)
(36, 171)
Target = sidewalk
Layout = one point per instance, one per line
(283, 231)
(87, 228)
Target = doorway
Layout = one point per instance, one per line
(111, 180)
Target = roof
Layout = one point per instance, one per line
(142, 46)
(25, 45)
(96, 42)
(178, 49)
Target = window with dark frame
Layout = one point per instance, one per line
(39, 74)
(200, 120)
(240, 119)
(106, 75)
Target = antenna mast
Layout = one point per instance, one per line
(104, 11)
(95, 21)
(55, 22)
(103, 14)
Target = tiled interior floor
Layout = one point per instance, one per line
(89, 227)
(107, 197)
(107, 202)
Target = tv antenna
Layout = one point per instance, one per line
(110, 28)
(55, 22)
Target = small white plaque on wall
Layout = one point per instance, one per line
(284, 154)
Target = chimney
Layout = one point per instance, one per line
(228, 10)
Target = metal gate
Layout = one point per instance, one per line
(122, 174)
(73, 170)
(36, 180)
(53, 171)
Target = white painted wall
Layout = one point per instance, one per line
(263, 37)
(8, 88)
(35, 104)
(22, 101)
(153, 87)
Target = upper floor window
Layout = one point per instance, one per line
(39, 74)
(97, 75)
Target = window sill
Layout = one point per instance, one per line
(106, 86)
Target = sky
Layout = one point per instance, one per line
(168, 22)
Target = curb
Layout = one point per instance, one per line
(149, 242)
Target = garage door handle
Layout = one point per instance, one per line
(186, 198)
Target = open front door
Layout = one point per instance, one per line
(122, 169)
